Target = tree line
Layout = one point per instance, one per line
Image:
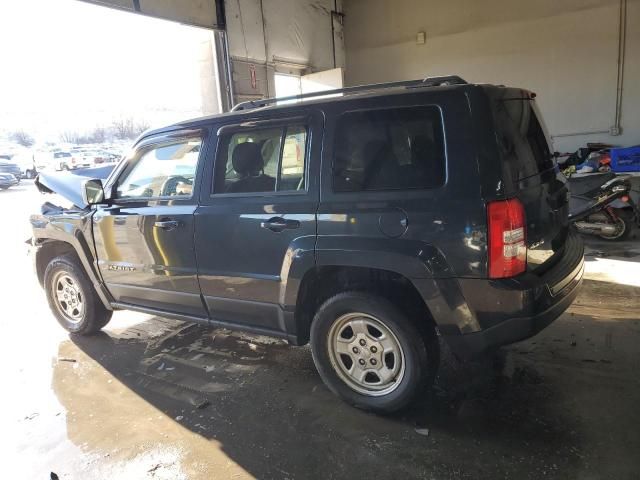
(121, 129)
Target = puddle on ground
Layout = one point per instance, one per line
(192, 361)
(261, 399)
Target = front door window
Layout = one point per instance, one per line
(162, 171)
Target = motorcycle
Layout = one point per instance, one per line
(603, 209)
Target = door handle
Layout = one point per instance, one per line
(278, 224)
(166, 224)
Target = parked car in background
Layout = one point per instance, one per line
(26, 162)
(7, 180)
(368, 225)
(109, 157)
(7, 166)
(70, 161)
(97, 157)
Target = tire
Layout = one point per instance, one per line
(84, 313)
(414, 361)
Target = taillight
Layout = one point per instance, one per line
(507, 238)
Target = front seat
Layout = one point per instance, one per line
(248, 163)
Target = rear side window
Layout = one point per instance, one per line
(262, 160)
(521, 139)
(389, 149)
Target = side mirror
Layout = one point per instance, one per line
(92, 192)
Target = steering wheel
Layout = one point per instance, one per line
(171, 184)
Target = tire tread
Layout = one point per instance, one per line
(96, 315)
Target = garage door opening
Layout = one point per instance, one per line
(83, 76)
(289, 85)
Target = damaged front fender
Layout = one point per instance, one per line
(69, 184)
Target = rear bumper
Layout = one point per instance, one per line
(522, 306)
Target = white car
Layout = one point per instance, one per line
(27, 164)
(71, 160)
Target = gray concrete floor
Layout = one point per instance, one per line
(153, 398)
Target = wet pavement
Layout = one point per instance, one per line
(156, 398)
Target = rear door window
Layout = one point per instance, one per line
(520, 136)
(262, 160)
(389, 149)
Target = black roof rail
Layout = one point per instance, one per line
(425, 82)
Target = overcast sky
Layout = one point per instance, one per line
(65, 64)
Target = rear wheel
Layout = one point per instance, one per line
(72, 298)
(369, 353)
(624, 225)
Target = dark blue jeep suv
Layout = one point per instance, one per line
(366, 221)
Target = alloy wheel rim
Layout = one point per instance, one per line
(366, 354)
(68, 297)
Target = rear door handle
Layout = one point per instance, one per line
(166, 224)
(278, 224)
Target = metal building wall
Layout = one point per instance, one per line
(199, 13)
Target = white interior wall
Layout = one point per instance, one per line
(209, 81)
(286, 36)
(564, 51)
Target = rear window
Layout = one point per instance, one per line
(521, 139)
(389, 149)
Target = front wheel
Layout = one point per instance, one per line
(72, 298)
(369, 353)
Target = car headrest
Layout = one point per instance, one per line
(247, 159)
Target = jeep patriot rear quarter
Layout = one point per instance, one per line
(366, 224)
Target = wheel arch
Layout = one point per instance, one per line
(47, 251)
(50, 248)
(322, 282)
